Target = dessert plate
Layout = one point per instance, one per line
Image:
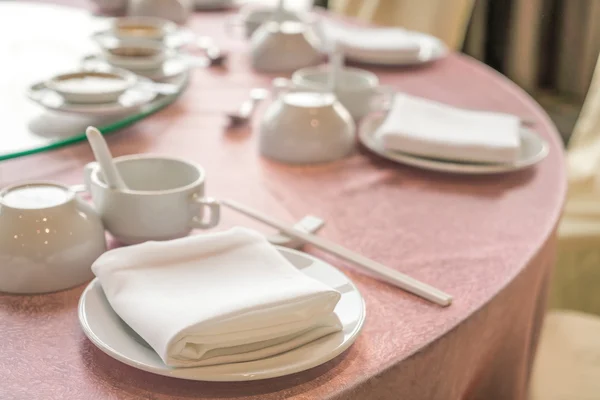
(111, 335)
(533, 150)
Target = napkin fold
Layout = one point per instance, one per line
(370, 42)
(430, 129)
(217, 298)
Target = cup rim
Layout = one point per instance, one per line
(133, 157)
(299, 76)
(165, 26)
(128, 78)
(69, 194)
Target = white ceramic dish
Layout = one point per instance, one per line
(111, 335)
(251, 17)
(173, 39)
(165, 198)
(145, 28)
(174, 66)
(49, 238)
(137, 56)
(284, 47)
(533, 150)
(432, 49)
(130, 100)
(306, 128)
(91, 86)
(356, 89)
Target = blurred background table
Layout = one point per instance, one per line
(489, 241)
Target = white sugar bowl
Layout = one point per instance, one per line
(49, 238)
(305, 128)
(284, 47)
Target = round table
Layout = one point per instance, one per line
(487, 240)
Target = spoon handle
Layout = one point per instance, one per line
(104, 158)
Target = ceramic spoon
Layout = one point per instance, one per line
(336, 66)
(244, 113)
(279, 14)
(213, 53)
(104, 158)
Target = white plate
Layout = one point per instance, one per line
(111, 335)
(432, 49)
(173, 67)
(131, 100)
(533, 150)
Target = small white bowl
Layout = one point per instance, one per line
(87, 87)
(135, 55)
(49, 238)
(144, 28)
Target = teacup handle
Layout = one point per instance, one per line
(214, 209)
(235, 27)
(382, 99)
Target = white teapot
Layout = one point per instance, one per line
(306, 127)
(284, 46)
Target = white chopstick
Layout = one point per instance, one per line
(384, 273)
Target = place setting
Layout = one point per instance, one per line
(312, 35)
(98, 90)
(434, 136)
(228, 305)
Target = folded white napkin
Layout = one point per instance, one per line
(371, 42)
(217, 298)
(426, 128)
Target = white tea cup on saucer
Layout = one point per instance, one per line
(358, 90)
(306, 127)
(135, 55)
(164, 198)
(284, 46)
(141, 28)
(103, 85)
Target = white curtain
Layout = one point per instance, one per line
(547, 45)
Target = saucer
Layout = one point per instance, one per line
(132, 99)
(110, 334)
(533, 150)
(174, 66)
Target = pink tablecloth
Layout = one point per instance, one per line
(487, 240)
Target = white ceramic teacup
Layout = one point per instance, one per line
(306, 128)
(136, 55)
(284, 46)
(49, 238)
(143, 28)
(92, 86)
(164, 200)
(358, 90)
